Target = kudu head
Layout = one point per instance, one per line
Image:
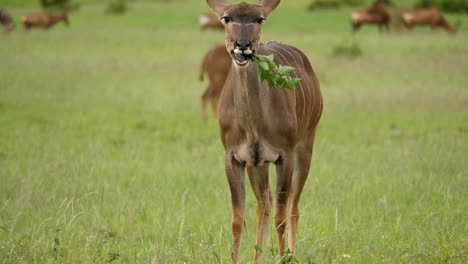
(242, 24)
(456, 26)
(62, 16)
(65, 17)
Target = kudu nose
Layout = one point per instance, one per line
(243, 45)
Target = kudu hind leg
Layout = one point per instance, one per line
(236, 178)
(302, 162)
(258, 177)
(284, 170)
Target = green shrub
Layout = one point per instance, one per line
(332, 4)
(54, 3)
(387, 2)
(452, 6)
(117, 7)
(350, 49)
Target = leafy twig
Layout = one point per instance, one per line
(276, 76)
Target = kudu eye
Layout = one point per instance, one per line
(225, 20)
(260, 20)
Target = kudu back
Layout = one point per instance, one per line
(43, 20)
(260, 126)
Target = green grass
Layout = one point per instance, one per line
(103, 157)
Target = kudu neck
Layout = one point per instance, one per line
(61, 16)
(246, 92)
(448, 27)
(456, 26)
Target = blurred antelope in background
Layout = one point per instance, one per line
(43, 20)
(377, 14)
(260, 126)
(6, 21)
(216, 64)
(428, 17)
(210, 21)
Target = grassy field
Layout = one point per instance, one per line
(103, 157)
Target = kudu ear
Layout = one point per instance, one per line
(269, 5)
(218, 6)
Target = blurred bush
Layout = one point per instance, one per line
(349, 49)
(333, 4)
(117, 7)
(452, 6)
(53, 5)
(56, 4)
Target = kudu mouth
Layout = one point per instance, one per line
(241, 56)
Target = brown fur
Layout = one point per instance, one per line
(377, 14)
(43, 20)
(216, 65)
(260, 126)
(210, 21)
(428, 17)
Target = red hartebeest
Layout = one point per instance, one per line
(428, 17)
(376, 14)
(216, 64)
(43, 20)
(260, 126)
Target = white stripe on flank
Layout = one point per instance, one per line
(300, 83)
(306, 82)
(312, 102)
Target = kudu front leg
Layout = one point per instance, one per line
(284, 171)
(258, 177)
(235, 173)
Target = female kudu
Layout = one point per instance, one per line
(43, 20)
(429, 17)
(376, 14)
(261, 126)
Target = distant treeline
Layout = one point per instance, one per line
(38, 3)
(50, 3)
(452, 6)
(29, 3)
(332, 4)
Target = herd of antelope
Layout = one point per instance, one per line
(260, 126)
(44, 20)
(217, 61)
(378, 14)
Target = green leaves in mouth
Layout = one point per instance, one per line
(274, 75)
